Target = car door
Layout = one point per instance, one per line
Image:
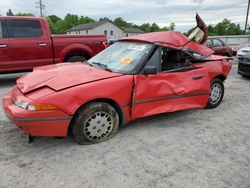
(218, 47)
(5, 62)
(181, 88)
(30, 46)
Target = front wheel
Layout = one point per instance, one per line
(216, 93)
(95, 122)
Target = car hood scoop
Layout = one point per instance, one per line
(62, 76)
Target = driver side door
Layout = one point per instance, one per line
(169, 91)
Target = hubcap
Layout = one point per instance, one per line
(98, 125)
(215, 93)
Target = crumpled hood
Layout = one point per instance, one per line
(61, 76)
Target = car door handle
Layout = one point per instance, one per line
(42, 44)
(3, 45)
(198, 76)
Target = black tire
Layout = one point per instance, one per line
(76, 59)
(245, 76)
(85, 124)
(214, 101)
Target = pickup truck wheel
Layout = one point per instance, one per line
(216, 93)
(76, 59)
(96, 122)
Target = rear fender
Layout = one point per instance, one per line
(75, 47)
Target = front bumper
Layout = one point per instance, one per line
(36, 123)
(244, 69)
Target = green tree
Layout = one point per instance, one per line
(25, 14)
(71, 20)
(172, 26)
(225, 27)
(154, 27)
(53, 18)
(121, 23)
(85, 19)
(145, 27)
(104, 19)
(9, 13)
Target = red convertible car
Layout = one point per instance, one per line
(136, 77)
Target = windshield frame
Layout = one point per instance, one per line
(136, 69)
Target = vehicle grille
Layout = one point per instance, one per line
(244, 68)
(245, 51)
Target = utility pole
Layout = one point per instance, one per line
(247, 16)
(41, 7)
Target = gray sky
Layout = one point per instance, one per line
(162, 12)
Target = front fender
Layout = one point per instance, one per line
(118, 89)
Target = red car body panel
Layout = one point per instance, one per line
(170, 92)
(133, 96)
(43, 123)
(22, 54)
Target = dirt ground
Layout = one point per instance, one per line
(196, 148)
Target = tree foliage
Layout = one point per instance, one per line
(60, 26)
(25, 14)
(225, 27)
(10, 13)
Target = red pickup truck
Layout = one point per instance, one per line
(27, 42)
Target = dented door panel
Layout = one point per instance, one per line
(168, 92)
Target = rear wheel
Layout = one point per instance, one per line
(216, 93)
(76, 59)
(96, 122)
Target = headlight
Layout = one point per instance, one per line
(22, 104)
(37, 107)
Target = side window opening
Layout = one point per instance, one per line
(209, 43)
(173, 59)
(24, 28)
(217, 43)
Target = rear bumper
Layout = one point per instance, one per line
(244, 69)
(37, 123)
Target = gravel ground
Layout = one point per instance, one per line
(196, 148)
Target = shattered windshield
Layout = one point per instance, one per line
(121, 57)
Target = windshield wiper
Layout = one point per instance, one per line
(105, 67)
(87, 63)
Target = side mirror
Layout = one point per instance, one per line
(150, 70)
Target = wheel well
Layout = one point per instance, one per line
(109, 101)
(221, 77)
(76, 53)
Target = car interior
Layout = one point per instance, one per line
(173, 60)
